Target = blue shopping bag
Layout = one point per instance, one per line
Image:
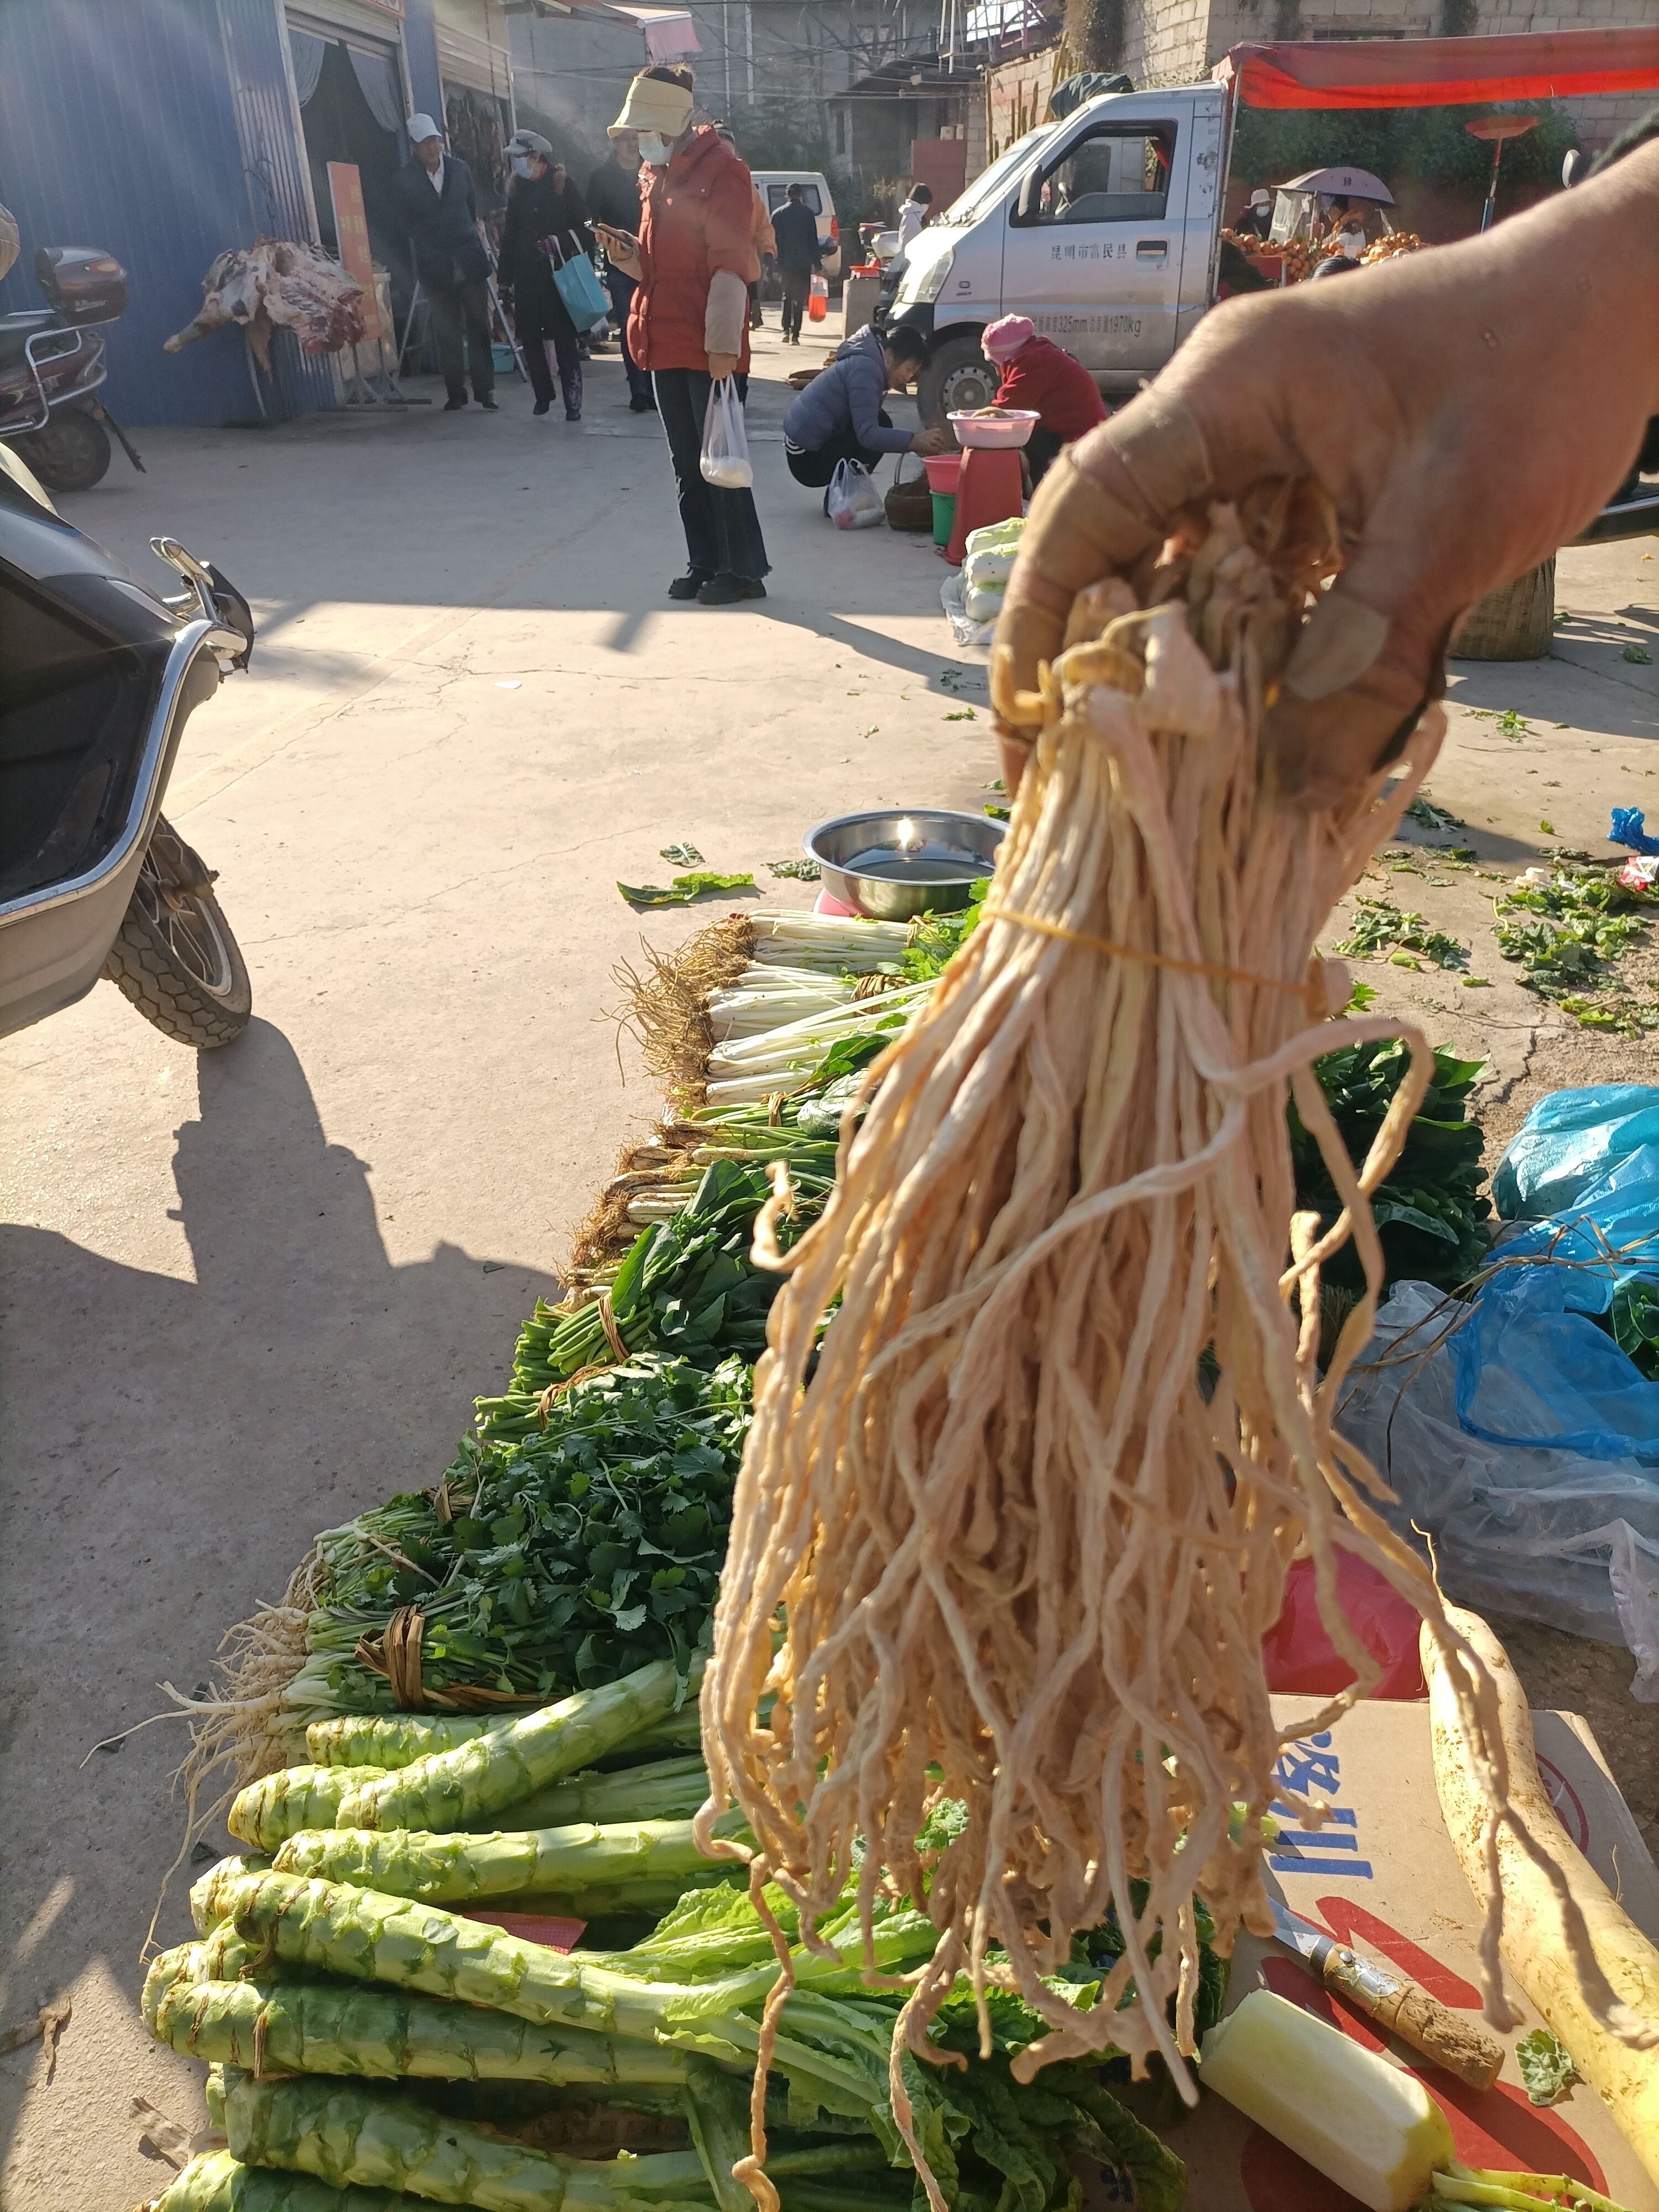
(577, 284)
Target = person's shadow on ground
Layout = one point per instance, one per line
(171, 1450)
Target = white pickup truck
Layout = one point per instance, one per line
(1104, 228)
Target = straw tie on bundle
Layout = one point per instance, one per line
(1024, 1516)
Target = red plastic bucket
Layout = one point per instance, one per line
(942, 470)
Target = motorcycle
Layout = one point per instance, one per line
(53, 367)
(98, 677)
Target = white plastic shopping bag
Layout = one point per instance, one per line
(853, 503)
(725, 460)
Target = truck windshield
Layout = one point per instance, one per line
(984, 188)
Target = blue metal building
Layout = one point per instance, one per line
(167, 131)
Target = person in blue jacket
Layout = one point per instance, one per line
(840, 417)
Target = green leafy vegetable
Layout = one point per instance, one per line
(799, 871)
(683, 856)
(684, 888)
(1430, 1209)
(1564, 936)
(1545, 2067)
(1423, 810)
(1633, 1319)
(939, 935)
(1637, 654)
(1380, 929)
(564, 1557)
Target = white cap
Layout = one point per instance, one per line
(423, 126)
(1260, 196)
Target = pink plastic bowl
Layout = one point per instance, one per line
(943, 469)
(1012, 427)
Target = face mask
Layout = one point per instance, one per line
(521, 165)
(653, 149)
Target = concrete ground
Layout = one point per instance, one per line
(247, 1295)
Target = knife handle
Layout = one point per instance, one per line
(1451, 2039)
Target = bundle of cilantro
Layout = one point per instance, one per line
(549, 1562)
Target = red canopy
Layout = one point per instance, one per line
(1440, 72)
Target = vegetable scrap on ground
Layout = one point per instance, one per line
(472, 1940)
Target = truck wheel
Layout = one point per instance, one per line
(70, 454)
(1517, 623)
(175, 957)
(955, 380)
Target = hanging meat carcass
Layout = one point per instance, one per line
(278, 281)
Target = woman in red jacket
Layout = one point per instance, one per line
(687, 322)
(1042, 376)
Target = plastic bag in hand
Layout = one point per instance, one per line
(853, 503)
(726, 463)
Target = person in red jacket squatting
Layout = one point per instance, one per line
(687, 322)
(1042, 376)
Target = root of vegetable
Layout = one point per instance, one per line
(238, 1729)
(665, 1004)
(1026, 1514)
(1546, 1884)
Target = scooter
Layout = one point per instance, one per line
(99, 676)
(53, 367)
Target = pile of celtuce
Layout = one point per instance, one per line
(385, 2004)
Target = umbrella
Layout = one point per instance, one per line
(1352, 184)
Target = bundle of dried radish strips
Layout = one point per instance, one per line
(1013, 1536)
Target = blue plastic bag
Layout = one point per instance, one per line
(577, 286)
(1569, 1141)
(1628, 830)
(1534, 1365)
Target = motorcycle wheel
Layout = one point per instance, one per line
(175, 957)
(70, 454)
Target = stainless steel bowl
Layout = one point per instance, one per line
(901, 861)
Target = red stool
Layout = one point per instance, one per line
(989, 489)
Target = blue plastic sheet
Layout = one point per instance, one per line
(1512, 1427)
(1533, 1367)
(1569, 1141)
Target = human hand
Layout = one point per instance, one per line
(723, 365)
(937, 439)
(1469, 409)
(621, 249)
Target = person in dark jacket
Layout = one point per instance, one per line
(613, 197)
(545, 224)
(840, 417)
(435, 197)
(796, 229)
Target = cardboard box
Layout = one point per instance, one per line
(1382, 1876)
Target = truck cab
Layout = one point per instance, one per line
(1103, 228)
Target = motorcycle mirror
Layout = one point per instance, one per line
(233, 612)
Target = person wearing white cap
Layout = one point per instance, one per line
(687, 322)
(1257, 219)
(435, 195)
